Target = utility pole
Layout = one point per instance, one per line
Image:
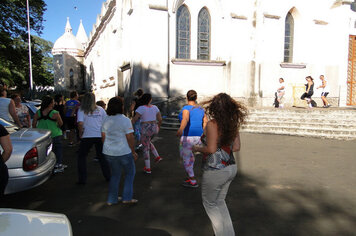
(29, 46)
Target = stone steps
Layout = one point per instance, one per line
(297, 124)
(170, 123)
(336, 123)
(322, 132)
(333, 123)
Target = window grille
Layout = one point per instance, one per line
(288, 38)
(183, 33)
(204, 35)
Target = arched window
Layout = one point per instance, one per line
(183, 33)
(71, 78)
(288, 38)
(204, 34)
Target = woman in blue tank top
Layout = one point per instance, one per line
(193, 121)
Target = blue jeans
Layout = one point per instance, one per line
(215, 185)
(117, 163)
(58, 148)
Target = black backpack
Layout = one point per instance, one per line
(313, 103)
(46, 117)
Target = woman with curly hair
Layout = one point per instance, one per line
(220, 139)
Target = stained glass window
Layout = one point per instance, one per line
(183, 33)
(204, 35)
(288, 38)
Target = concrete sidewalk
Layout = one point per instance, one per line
(287, 186)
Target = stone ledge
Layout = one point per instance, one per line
(293, 65)
(198, 62)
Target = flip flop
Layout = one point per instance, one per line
(110, 204)
(131, 202)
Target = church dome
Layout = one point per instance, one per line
(67, 43)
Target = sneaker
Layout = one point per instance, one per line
(158, 159)
(131, 202)
(138, 147)
(327, 106)
(188, 183)
(60, 166)
(58, 170)
(147, 170)
(70, 144)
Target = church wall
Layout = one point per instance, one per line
(205, 79)
(103, 56)
(63, 63)
(153, 36)
(247, 37)
(59, 80)
(241, 47)
(73, 63)
(320, 47)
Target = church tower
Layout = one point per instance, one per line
(68, 56)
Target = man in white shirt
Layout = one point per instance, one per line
(280, 93)
(325, 86)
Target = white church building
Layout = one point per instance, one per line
(240, 47)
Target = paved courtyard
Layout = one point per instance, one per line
(287, 186)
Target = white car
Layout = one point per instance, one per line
(32, 160)
(33, 223)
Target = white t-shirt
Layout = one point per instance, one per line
(280, 86)
(326, 89)
(115, 129)
(92, 122)
(148, 113)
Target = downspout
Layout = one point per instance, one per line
(168, 51)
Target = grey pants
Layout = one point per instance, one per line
(215, 184)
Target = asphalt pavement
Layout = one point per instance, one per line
(286, 186)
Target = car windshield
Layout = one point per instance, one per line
(10, 127)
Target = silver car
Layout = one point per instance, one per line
(33, 223)
(32, 160)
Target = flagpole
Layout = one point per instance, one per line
(29, 45)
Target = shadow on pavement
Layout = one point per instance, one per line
(259, 209)
(95, 225)
(166, 208)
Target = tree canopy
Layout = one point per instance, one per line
(14, 57)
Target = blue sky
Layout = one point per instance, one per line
(58, 10)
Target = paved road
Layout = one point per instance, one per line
(287, 186)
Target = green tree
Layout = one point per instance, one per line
(14, 62)
(43, 71)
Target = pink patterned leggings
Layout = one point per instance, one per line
(147, 131)
(185, 150)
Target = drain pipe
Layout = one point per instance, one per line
(168, 51)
